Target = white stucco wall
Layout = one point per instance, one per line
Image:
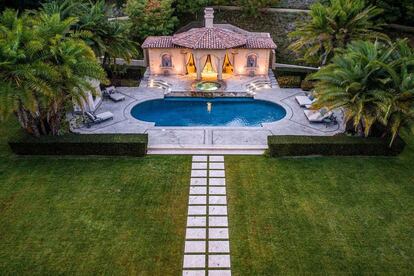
(238, 57)
(240, 61)
(155, 58)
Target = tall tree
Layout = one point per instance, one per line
(191, 7)
(43, 70)
(373, 82)
(151, 17)
(334, 25)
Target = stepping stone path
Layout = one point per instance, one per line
(207, 246)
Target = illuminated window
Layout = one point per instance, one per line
(166, 60)
(252, 60)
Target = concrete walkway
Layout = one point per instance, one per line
(207, 245)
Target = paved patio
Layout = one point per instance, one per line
(210, 140)
(184, 83)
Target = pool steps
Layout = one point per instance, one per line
(189, 149)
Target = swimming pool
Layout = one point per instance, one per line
(190, 111)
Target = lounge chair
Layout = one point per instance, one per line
(113, 94)
(304, 101)
(318, 116)
(98, 118)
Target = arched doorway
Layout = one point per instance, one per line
(209, 67)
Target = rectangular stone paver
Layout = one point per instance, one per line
(197, 210)
(198, 182)
(194, 261)
(198, 173)
(219, 261)
(217, 221)
(216, 158)
(220, 272)
(217, 190)
(195, 247)
(195, 233)
(199, 158)
(207, 246)
(218, 233)
(218, 247)
(217, 210)
(199, 166)
(198, 190)
(217, 173)
(197, 200)
(217, 181)
(217, 200)
(196, 221)
(216, 166)
(197, 273)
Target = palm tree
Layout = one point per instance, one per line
(43, 70)
(373, 82)
(332, 26)
(108, 39)
(399, 113)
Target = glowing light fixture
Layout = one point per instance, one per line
(209, 105)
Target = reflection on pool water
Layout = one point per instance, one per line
(186, 111)
(207, 86)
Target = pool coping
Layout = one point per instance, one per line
(129, 107)
(209, 137)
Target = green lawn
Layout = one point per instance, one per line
(91, 216)
(321, 215)
(127, 215)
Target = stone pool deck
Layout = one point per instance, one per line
(210, 140)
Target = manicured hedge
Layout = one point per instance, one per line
(307, 85)
(332, 145)
(76, 144)
(289, 81)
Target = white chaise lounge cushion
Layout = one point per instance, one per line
(117, 97)
(304, 101)
(104, 115)
(317, 116)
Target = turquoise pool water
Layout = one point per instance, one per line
(183, 111)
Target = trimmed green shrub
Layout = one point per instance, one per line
(289, 81)
(332, 145)
(307, 85)
(77, 144)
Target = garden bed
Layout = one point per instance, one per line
(75, 144)
(332, 145)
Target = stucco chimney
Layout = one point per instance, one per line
(209, 17)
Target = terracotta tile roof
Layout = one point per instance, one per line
(260, 43)
(158, 42)
(209, 38)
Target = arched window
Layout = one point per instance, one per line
(166, 60)
(251, 60)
